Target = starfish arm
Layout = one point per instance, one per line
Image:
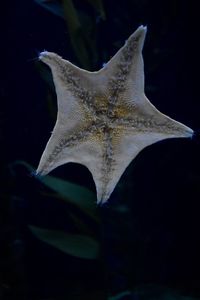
(126, 54)
(59, 152)
(130, 144)
(148, 118)
(125, 70)
(64, 145)
(74, 86)
(53, 151)
(158, 122)
(126, 148)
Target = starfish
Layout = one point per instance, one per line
(104, 118)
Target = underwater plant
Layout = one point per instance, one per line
(82, 41)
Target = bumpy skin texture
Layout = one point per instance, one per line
(104, 118)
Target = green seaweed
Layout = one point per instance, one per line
(82, 40)
(72, 193)
(72, 244)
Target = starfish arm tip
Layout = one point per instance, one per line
(41, 171)
(141, 30)
(103, 197)
(49, 58)
(138, 37)
(43, 54)
(190, 133)
(145, 28)
(38, 173)
(142, 27)
(102, 201)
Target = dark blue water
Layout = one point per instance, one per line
(149, 230)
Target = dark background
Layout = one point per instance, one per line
(149, 230)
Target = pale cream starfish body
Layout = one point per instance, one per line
(104, 118)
